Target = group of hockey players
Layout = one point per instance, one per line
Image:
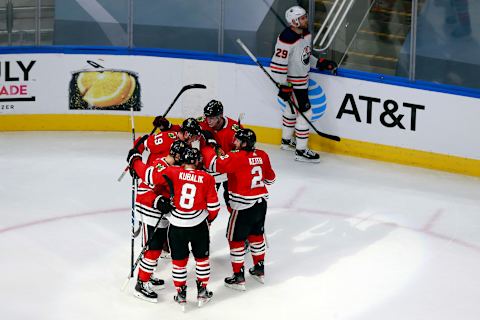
(188, 163)
(178, 200)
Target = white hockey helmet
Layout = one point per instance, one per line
(293, 14)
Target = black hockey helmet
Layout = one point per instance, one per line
(190, 155)
(247, 136)
(213, 109)
(177, 147)
(191, 126)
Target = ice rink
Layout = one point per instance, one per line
(348, 239)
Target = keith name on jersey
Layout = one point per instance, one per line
(190, 177)
(255, 161)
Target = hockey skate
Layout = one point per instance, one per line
(156, 283)
(165, 252)
(236, 281)
(144, 290)
(288, 144)
(204, 295)
(165, 255)
(258, 272)
(307, 155)
(181, 297)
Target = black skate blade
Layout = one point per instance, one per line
(239, 287)
(142, 297)
(303, 159)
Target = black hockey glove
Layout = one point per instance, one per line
(161, 123)
(162, 204)
(329, 65)
(285, 92)
(132, 155)
(209, 139)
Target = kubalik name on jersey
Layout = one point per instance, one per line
(190, 177)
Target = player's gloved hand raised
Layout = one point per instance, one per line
(285, 92)
(163, 204)
(162, 123)
(209, 139)
(329, 65)
(132, 155)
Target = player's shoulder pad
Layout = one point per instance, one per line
(172, 135)
(201, 119)
(288, 36)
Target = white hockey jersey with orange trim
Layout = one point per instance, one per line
(293, 58)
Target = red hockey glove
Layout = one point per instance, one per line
(285, 92)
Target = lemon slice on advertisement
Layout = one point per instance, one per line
(110, 89)
(86, 79)
(132, 89)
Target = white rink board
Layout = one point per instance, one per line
(447, 124)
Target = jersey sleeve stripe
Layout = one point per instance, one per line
(278, 68)
(269, 182)
(149, 176)
(213, 164)
(279, 64)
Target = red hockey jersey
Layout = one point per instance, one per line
(224, 138)
(146, 197)
(159, 145)
(195, 197)
(248, 174)
(225, 135)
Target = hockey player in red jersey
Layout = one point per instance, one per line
(290, 65)
(249, 171)
(146, 204)
(195, 206)
(222, 128)
(158, 145)
(219, 131)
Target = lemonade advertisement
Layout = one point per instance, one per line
(104, 90)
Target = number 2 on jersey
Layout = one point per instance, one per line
(257, 179)
(188, 196)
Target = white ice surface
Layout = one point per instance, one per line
(349, 239)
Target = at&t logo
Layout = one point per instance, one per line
(317, 97)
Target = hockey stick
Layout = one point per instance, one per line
(150, 239)
(290, 101)
(185, 88)
(134, 192)
(240, 118)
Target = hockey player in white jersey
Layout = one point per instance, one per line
(290, 65)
